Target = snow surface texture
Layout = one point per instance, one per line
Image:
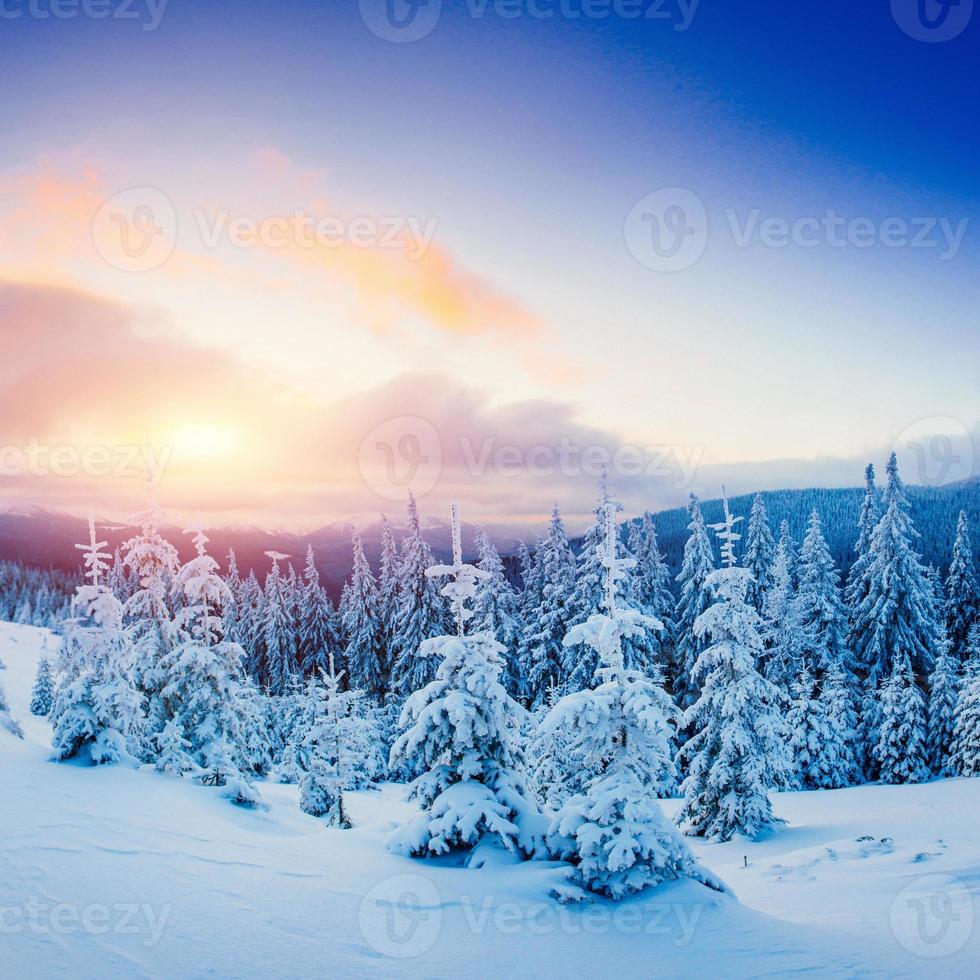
(109, 872)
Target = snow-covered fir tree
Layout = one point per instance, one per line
(152, 562)
(895, 621)
(737, 753)
(621, 732)
(96, 714)
(362, 628)
(464, 727)
(233, 609)
(760, 552)
(900, 750)
(318, 638)
(944, 685)
(205, 678)
(174, 751)
(695, 598)
(808, 728)
(548, 621)
(819, 612)
(278, 631)
(421, 611)
(780, 632)
(962, 607)
(857, 585)
(964, 757)
(839, 765)
(42, 693)
(249, 618)
(387, 590)
(496, 610)
(7, 721)
(530, 599)
(650, 592)
(321, 787)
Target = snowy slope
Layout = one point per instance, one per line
(121, 873)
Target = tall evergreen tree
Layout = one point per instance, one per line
(361, 627)
(649, 592)
(695, 598)
(944, 683)
(42, 694)
(421, 611)
(900, 752)
(760, 552)
(387, 590)
(962, 591)
(964, 756)
(780, 631)
(856, 589)
(278, 637)
(318, 638)
(496, 610)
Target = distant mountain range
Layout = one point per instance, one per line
(46, 538)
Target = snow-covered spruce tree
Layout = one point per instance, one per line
(233, 608)
(464, 727)
(421, 611)
(838, 760)
(361, 626)
(738, 750)
(256, 744)
(205, 678)
(96, 713)
(944, 684)
(819, 612)
(780, 631)
(962, 591)
(278, 637)
(615, 833)
(323, 751)
(496, 610)
(548, 622)
(650, 591)
(249, 619)
(42, 694)
(7, 721)
(965, 750)
(856, 588)
(530, 599)
(900, 752)
(152, 562)
(318, 638)
(760, 552)
(895, 621)
(174, 751)
(555, 773)
(808, 728)
(387, 604)
(117, 580)
(695, 598)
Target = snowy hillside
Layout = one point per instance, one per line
(111, 872)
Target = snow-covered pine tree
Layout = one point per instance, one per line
(278, 640)
(738, 750)
(7, 721)
(900, 752)
(421, 611)
(548, 623)
(944, 684)
(174, 751)
(387, 591)
(838, 761)
(530, 599)
(204, 678)
(965, 750)
(808, 726)
(42, 694)
(249, 619)
(615, 833)
(760, 552)
(463, 726)
(819, 612)
(233, 608)
(323, 751)
(780, 631)
(152, 562)
(650, 592)
(96, 713)
(362, 627)
(856, 589)
(318, 638)
(496, 610)
(895, 621)
(695, 598)
(117, 579)
(962, 591)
